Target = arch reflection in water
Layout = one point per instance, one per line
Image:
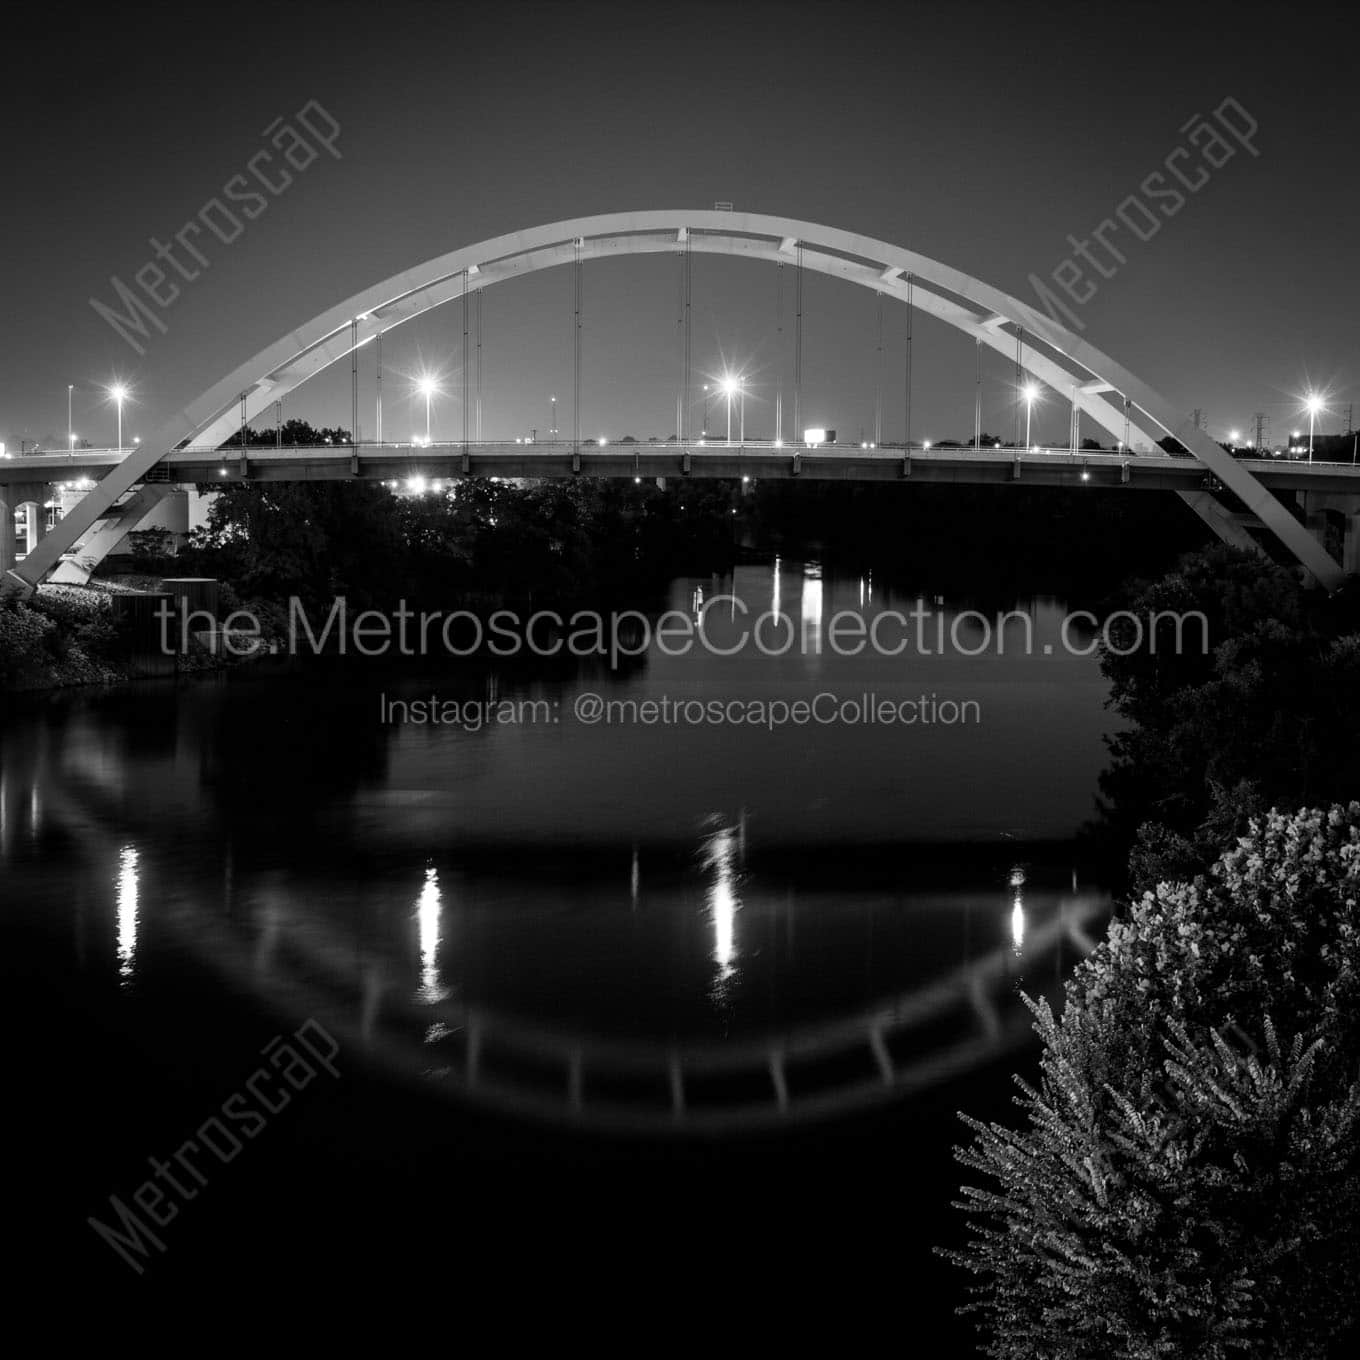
(563, 1074)
(308, 952)
(127, 913)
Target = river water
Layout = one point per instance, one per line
(655, 980)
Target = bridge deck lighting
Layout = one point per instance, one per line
(1030, 392)
(118, 394)
(926, 444)
(1314, 404)
(427, 386)
(731, 386)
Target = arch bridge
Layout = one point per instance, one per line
(189, 447)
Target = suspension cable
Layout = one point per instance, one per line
(798, 349)
(911, 316)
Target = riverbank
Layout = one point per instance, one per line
(67, 635)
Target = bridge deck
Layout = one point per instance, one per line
(1046, 467)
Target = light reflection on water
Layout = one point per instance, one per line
(718, 856)
(127, 912)
(427, 913)
(648, 905)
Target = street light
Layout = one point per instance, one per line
(1031, 395)
(1314, 405)
(427, 386)
(118, 392)
(552, 428)
(1233, 437)
(708, 397)
(731, 386)
(70, 437)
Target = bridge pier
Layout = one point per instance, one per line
(7, 542)
(1333, 518)
(13, 498)
(37, 524)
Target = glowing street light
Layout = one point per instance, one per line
(731, 387)
(1234, 436)
(552, 427)
(118, 394)
(1031, 395)
(1313, 404)
(427, 385)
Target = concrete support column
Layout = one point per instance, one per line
(37, 524)
(1351, 552)
(7, 542)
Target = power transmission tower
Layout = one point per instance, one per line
(1262, 430)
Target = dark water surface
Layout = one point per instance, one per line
(618, 1006)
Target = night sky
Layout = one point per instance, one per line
(979, 135)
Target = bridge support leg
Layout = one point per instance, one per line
(109, 532)
(8, 547)
(1221, 520)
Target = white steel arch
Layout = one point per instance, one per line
(1066, 362)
